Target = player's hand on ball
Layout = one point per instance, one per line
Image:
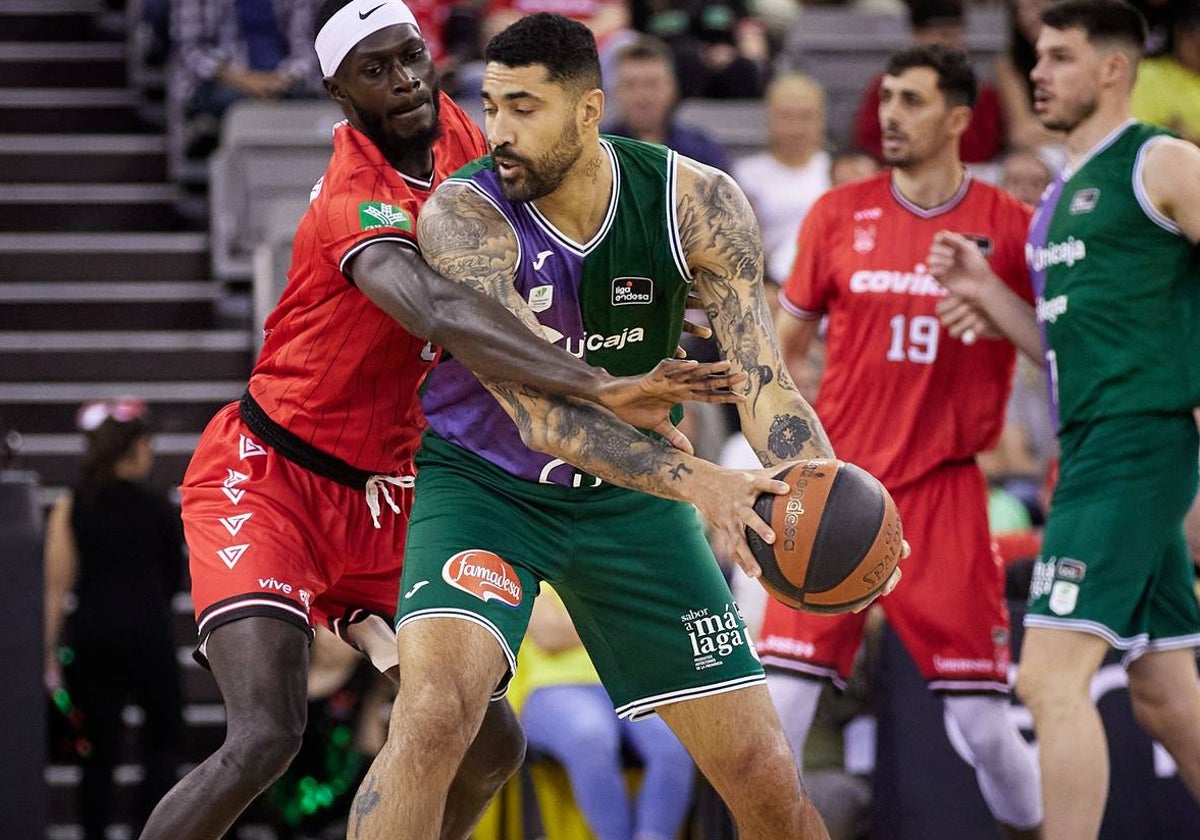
(893, 578)
(727, 506)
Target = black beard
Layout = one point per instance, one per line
(397, 148)
(547, 174)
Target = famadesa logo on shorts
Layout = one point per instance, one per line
(484, 575)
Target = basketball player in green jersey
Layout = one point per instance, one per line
(1116, 270)
(594, 242)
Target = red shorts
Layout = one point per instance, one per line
(269, 538)
(949, 609)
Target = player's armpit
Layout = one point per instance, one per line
(724, 251)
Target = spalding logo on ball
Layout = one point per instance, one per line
(837, 537)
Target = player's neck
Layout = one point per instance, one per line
(932, 183)
(580, 204)
(1103, 122)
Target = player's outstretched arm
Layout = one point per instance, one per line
(724, 251)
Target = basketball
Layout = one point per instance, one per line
(837, 537)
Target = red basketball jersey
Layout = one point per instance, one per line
(899, 396)
(335, 370)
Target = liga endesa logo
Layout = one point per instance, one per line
(484, 575)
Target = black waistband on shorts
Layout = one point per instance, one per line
(297, 451)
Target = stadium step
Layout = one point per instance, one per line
(70, 110)
(113, 306)
(107, 257)
(52, 20)
(158, 356)
(88, 158)
(90, 207)
(71, 64)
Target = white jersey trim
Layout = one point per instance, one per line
(464, 615)
(804, 669)
(929, 212)
(613, 201)
(357, 247)
(646, 706)
(1139, 189)
(792, 309)
(677, 251)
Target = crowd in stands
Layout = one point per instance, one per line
(655, 54)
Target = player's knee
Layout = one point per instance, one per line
(1047, 693)
(438, 718)
(260, 755)
(763, 770)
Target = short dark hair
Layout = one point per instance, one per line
(956, 76)
(1102, 20)
(565, 47)
(328, 9)
(925, 13)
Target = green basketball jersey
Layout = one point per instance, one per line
(1118, 289)
(616, 301)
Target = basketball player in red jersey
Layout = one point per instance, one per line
(913, 406)
(281, 503)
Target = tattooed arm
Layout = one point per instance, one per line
(465, 239)
(724, 251)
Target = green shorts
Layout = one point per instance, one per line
(634, 571)
(1114, 562)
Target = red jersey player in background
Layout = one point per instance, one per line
(913, 406)
(281, 503)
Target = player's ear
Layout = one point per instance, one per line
(960, 119)
(591, 108)
(334, 89)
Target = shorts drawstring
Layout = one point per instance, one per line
(379, 483)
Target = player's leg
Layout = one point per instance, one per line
(1005, 765)
(261, 666)
(738, 745)
(666, 789)
(491, 760)
(800, 651)
(953, 620)
(576, 725)
(1054, 681)
(448, 670)
(1165, 692)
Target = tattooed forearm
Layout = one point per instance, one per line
(595, 441)
(724, 250)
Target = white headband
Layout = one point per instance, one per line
(353, 22)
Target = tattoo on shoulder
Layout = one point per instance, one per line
(464, 240)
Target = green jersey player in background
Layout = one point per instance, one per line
(1116, 269)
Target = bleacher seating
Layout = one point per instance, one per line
(740, 125)
(844, 50)
(268, 151)
(272, 256)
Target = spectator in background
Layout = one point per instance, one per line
(646, 93)
(568, 714)
(226, 50)
(850, 166)
(1012, 70)
(939, 22)
(721, 50)
(1026, 175)
(1167, 92)
(117, 546)
(783, 182)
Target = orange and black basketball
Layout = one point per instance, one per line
(837, 537)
